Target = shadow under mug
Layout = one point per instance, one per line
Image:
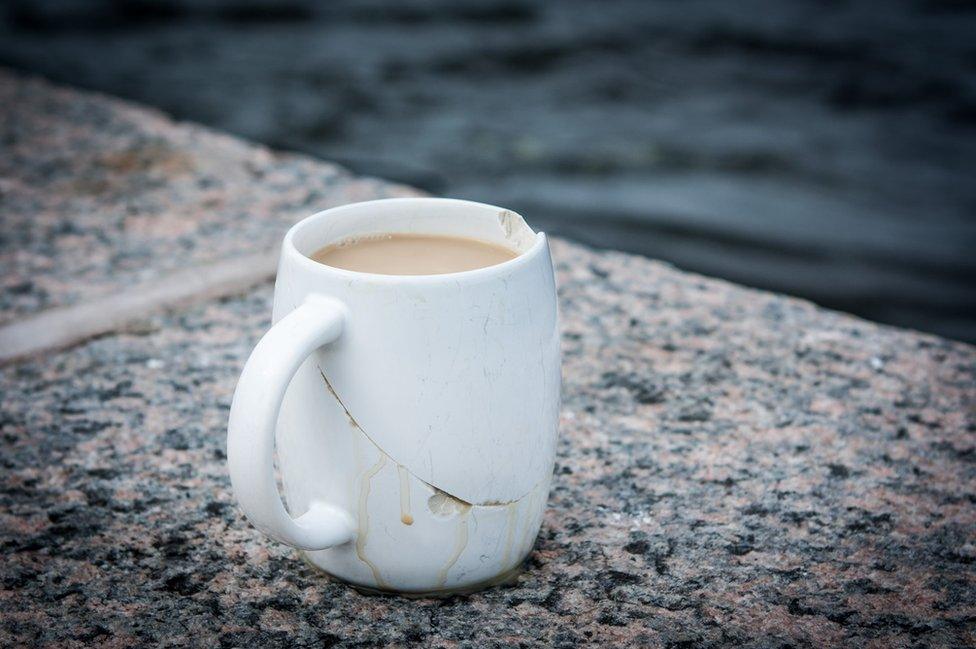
(414, 416)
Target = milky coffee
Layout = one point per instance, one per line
(412, 254)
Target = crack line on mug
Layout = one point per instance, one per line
(355, 424)
(361, 537)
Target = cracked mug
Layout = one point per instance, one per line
(414, 416)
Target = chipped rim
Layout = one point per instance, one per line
(289, 248)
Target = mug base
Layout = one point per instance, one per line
(506, 578)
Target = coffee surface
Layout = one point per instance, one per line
(412, 254)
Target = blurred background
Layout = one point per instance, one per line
(823, 149)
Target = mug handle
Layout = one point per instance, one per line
(254, 415)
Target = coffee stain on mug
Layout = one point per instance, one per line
(361, 537)
(460, 542)
(405, 516)
(510, 524)
(528, 540)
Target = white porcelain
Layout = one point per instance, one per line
(414, 416)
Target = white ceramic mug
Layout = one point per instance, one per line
(415, 417)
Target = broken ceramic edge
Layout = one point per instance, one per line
(516, 230)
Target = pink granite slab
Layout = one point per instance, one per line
(736, 468)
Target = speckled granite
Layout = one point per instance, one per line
(97, 194)
(736, 468)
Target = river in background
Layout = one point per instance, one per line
(822, 149)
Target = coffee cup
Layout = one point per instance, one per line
(414, 416)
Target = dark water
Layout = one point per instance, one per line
(823, 149)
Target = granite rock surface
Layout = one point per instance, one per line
(735, 468)
(820, 149)
(99, 194)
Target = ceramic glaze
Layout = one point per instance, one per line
(414, 416)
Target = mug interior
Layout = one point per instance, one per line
(431, 216)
